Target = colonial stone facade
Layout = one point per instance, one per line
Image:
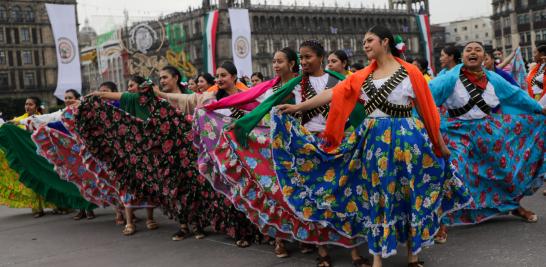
(519, 23)
(28, 63)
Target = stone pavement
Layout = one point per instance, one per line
(56, 240)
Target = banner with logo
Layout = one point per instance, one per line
(63, 23)
(240, 41)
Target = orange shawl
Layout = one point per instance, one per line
(239, 85)
(346, 93)
(530, 80)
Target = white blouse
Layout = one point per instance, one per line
(460, 97)
(401, 95)
(317, 123)
(536, 89)
(34, 122)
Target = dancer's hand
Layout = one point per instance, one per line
(544, 110)
(288, 109)
(157, 91)
(445, 151)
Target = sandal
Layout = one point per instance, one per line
(151, 224)
(129, 229)
(280, 250)
(119, 220)
(306, 248)
(416, 264)
(79, 216)
(362, 262)
(325, 261)
(544, 192)
(90, 215)
(526, 215)
(242, 243)
(182, 232)
(38, 214)
(441, 236)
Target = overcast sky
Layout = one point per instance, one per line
(104, 15)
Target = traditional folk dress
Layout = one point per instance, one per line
(385, 181)
(496, 139)
(245, 160)
(36, 173)
(536, 86)
(212, 208)
(144, 146)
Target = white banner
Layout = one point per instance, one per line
(240, 41)
(63, 23)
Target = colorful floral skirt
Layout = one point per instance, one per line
(256, 191)
(149, 159)
(63, 151)
(13, 193)
(384, 183)
(36, 173)
(500, 158)
(207, 128)
(98, 168)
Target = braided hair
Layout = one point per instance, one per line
(315, 45)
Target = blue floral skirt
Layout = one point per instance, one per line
(500, 159)
(383, 183)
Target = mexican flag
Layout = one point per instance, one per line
(209, 42)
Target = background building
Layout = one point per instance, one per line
(463, 31)
(28, 62)
(177, 38)
(519, 23)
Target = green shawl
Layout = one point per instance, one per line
(244, 125)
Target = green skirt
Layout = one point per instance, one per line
(35, 172)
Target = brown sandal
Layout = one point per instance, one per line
(441, 236)
(417, 264)
(119, 220)
(325, 261)
(79, 216)
(362, 262)
(280, 250)
(90, 215)
(181, 234)
(151, 224)
(526, 215)
(306, 248)
(129, 229)
(242, 243)
(38, 214)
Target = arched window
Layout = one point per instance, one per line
(16, 13)
(3, 13)
(29, 14)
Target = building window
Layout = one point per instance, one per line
(465, 28)
(16, 14)
(486, 34)
(25, 35)
(2, 38)
(27, 57)
(3, 13)
(476, 26)
(2, 57)
(4, 81)
(28, 14)
(29, 79)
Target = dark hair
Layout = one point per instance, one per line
(74, 92)
(451, 50)
(209, 78)
(137, 79)
(110, 85)
(174, 72)
(315, 45)
(259, 74)
(291, 55)
(384, 33)
(357, 66)
(342, 56)
(231, 69)
(37, 102)
(542, 49)
(476, 42)
(423, 63)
